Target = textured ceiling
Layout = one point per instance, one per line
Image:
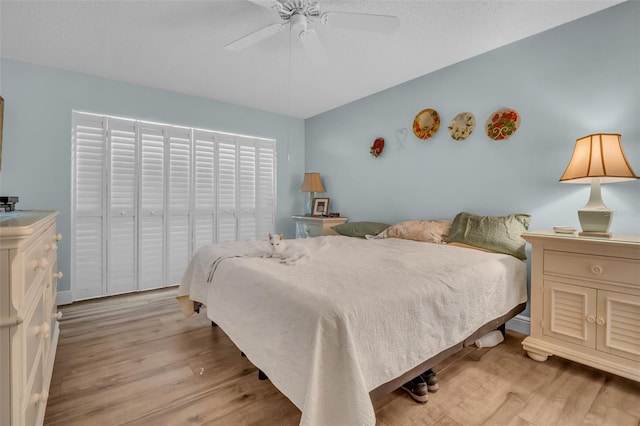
(179, 45)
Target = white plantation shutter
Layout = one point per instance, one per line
(246, 188)
(146, 196)
(204, 180)
(266, 188)
(152, 194)
(122, 188)
(88, 188)
(226, 229)
(178, 202)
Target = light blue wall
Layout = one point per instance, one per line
(36, 157)
(571, 81)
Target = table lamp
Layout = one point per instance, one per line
(597, 159)
(312, 183)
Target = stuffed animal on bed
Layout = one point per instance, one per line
(287, 256)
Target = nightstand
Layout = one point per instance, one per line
(310, 226)
(585, 300)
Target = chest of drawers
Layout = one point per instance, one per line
(585, 301)
(28, 314)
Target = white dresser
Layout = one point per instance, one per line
(585, 301)
(28, 314)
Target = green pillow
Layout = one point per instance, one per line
(360, 229)
(500, 234)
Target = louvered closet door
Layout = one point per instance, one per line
(89, 152)
(266, 188)
(226, 223)
(246, 210)
(152, 189)
(204, 183)
(178, 203)
(121, 262)
(147, 196)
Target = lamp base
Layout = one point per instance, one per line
(596, 221)
(308, 206)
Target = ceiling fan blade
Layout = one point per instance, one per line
(268, 4)
(361, 21)
(254, 37)
(314, 48)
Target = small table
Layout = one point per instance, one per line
(311, 226)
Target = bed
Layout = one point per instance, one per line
(355, 318)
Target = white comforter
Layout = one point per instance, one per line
(357, 314)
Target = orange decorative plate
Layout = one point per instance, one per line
(502, 124)
(426, 123)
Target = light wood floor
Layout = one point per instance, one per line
(136, 360)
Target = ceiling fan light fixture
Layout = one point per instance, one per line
(306, 8)
(299, 23)
(301, 14)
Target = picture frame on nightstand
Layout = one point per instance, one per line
(320, 207)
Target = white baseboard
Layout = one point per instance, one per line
(64, 297)
(520, 323)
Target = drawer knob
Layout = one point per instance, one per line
(57, 315)
(42, 263)
(596, 269)
(58, 275)
(58, 237)
(591, 319)
(600, 321)
(43, 330)
(40, 397)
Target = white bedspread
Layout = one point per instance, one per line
(357, 314)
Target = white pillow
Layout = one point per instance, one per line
(430, 231)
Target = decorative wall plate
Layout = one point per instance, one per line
(426, 123)
(462, 126)
(378, 146)
(502, 124)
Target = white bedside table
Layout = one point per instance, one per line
(585, 300)
(309, 226)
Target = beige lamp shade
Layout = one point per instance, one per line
(312, 183)
(597, 159)
(598, 156)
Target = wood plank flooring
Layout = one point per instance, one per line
(136, 360)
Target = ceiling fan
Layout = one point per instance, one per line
(301, 14)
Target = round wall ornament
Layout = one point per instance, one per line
(462, 126)
(426, 123)
(502, 124)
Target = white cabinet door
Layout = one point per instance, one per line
(619, 324)
(570, 313)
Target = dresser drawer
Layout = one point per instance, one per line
(35, 261)
(601, 268)
(37, 329)
(35, 396)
